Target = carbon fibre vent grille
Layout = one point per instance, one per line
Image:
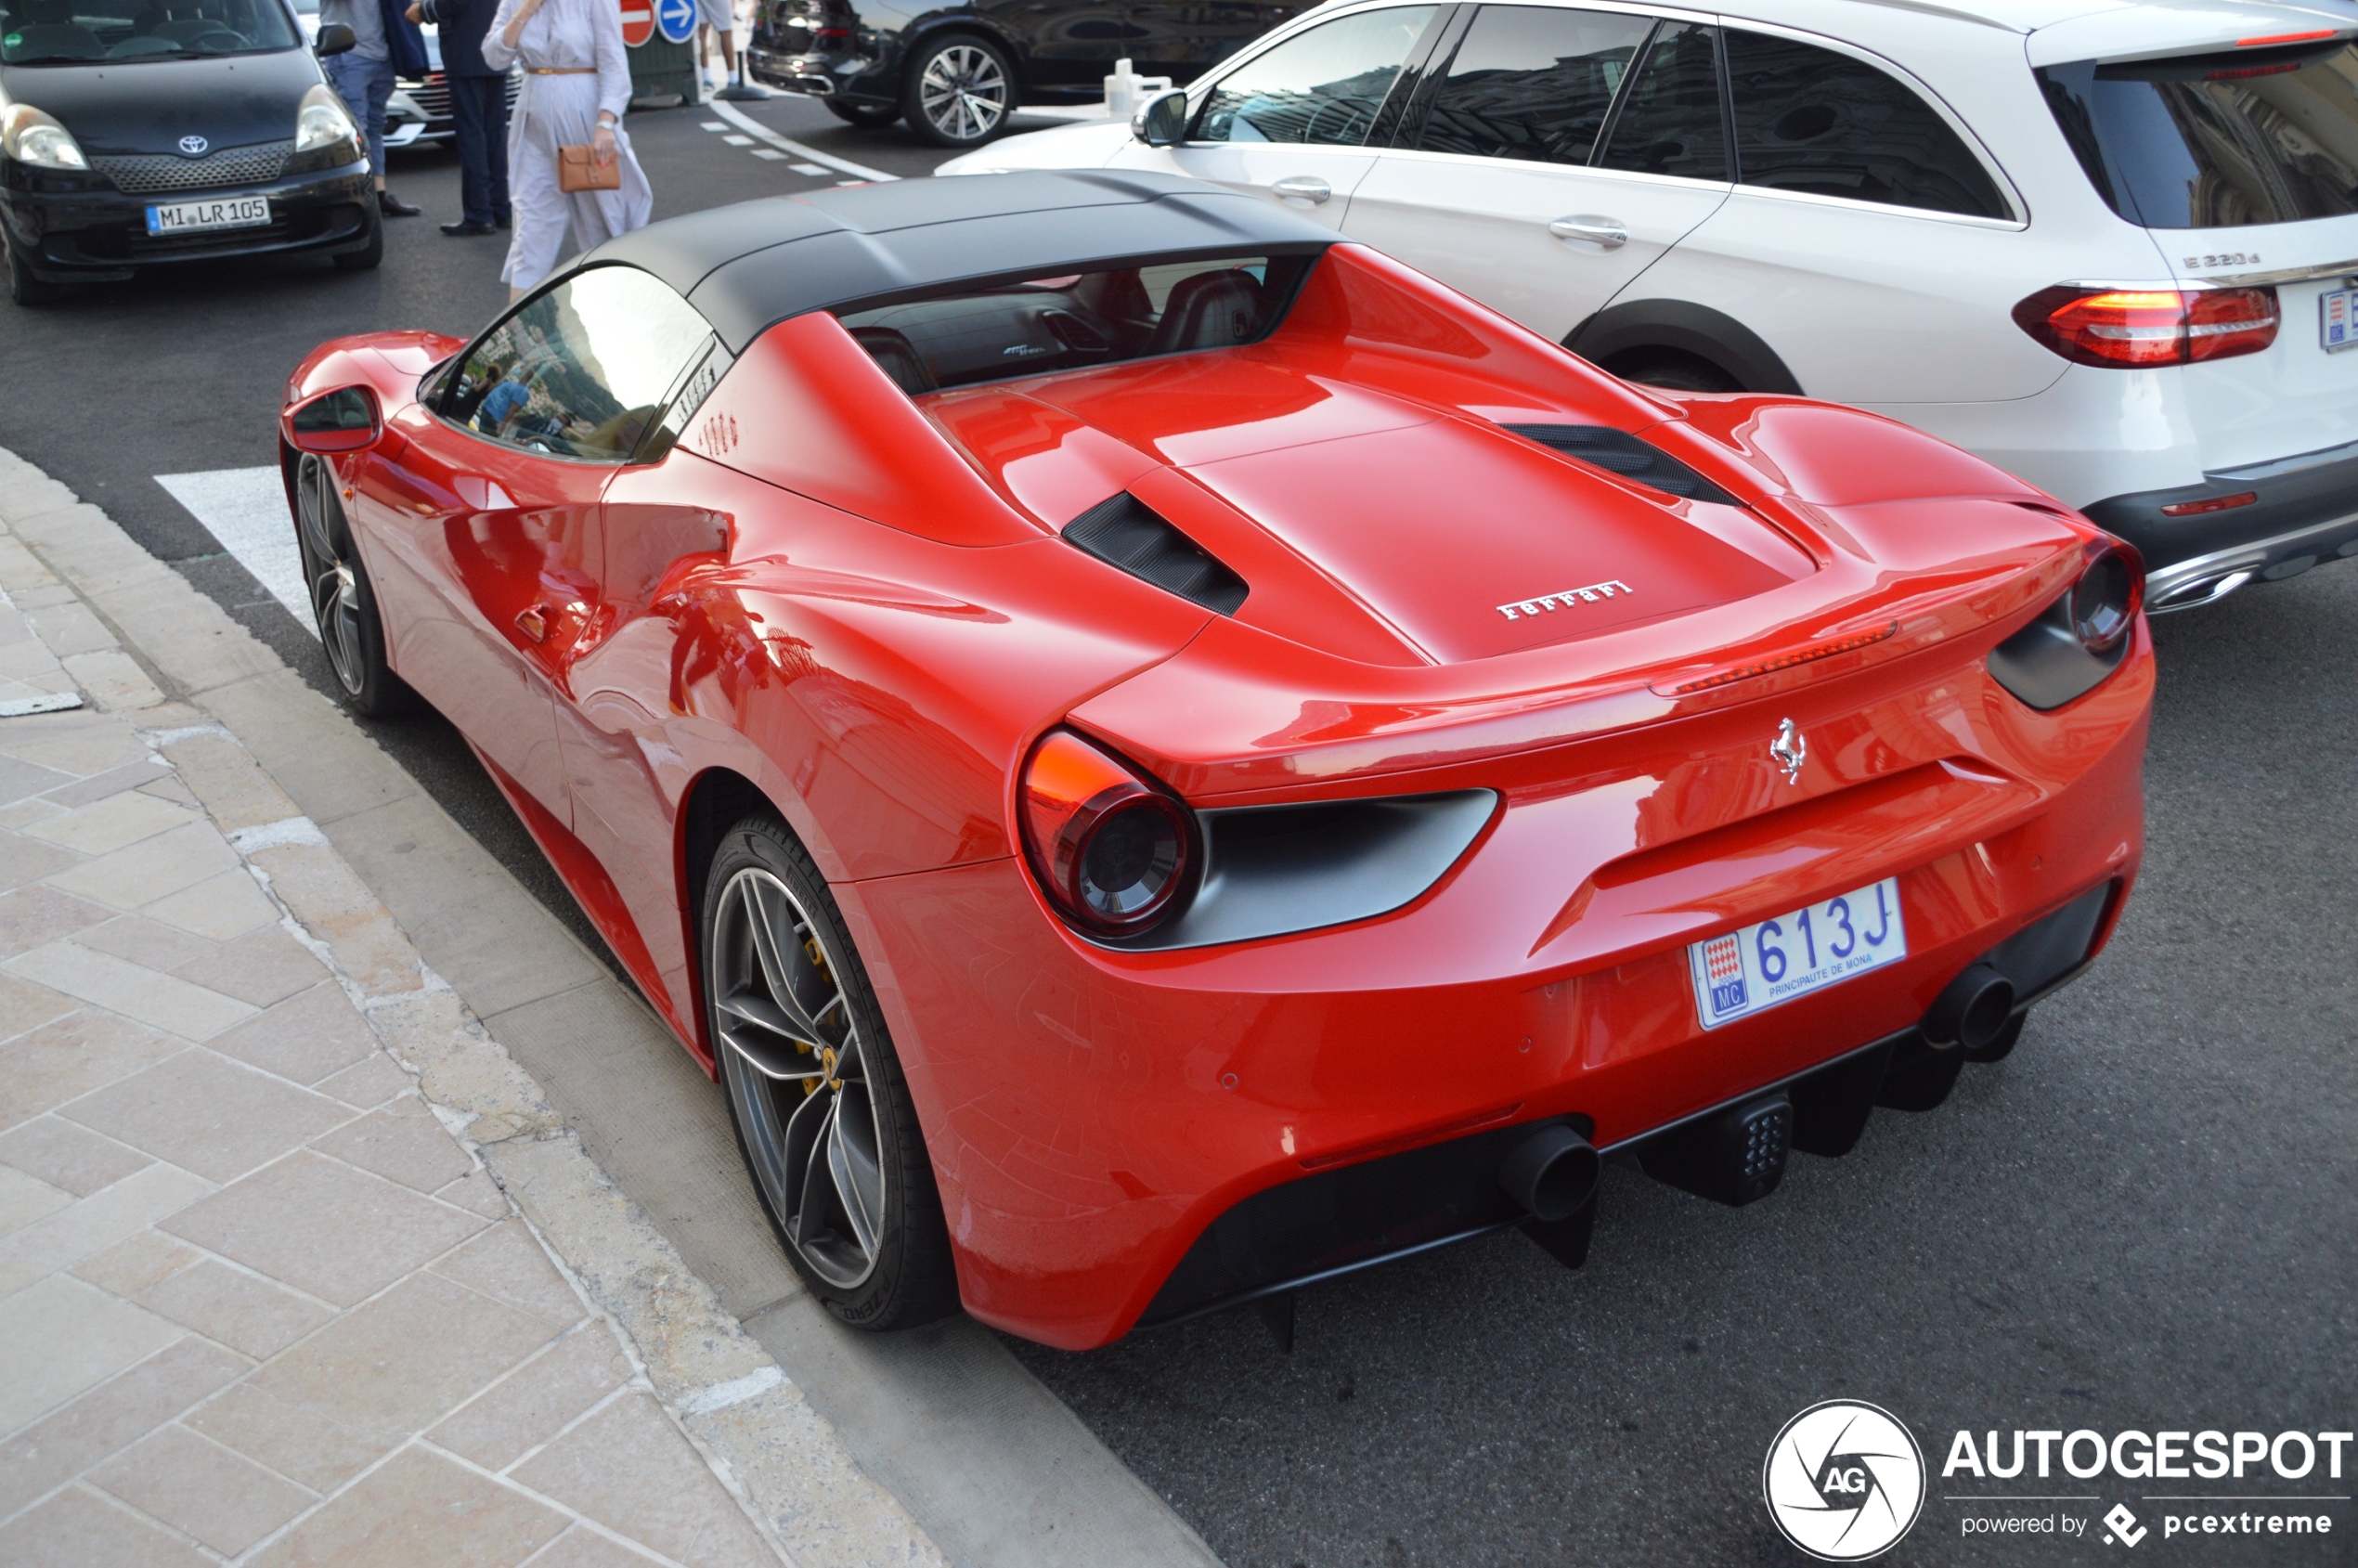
(1617, 451)
(1127, 533)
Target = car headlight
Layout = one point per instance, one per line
(322, 122)
(324, 135)
(31, 138)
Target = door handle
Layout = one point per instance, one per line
(534, 623)
(1303, 187)
(1606, 234)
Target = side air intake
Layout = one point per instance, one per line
(1127, 533)
(1617, 451)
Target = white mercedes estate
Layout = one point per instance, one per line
(2110, 245)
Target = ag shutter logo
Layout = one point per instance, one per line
(1843, 1481)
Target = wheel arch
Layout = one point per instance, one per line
(1708, 334)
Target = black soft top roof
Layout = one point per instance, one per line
(749, 266)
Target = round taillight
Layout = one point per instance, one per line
(1113, 852)
(2103, 601)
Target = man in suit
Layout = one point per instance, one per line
(478, 109)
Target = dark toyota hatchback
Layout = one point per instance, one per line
(136, 133)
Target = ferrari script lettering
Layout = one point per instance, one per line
(1522, 608)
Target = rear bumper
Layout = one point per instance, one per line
(96, 234)
(2305, 513)
(1338, 1222)
(1093, 1115)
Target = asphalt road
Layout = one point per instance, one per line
(2146, 1218)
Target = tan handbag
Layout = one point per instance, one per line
(578, 169)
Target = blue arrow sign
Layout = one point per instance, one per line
(677, 19)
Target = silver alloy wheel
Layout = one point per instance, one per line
(810, 1121)
(963, 92)
(335, 594)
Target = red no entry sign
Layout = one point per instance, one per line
(638, 21)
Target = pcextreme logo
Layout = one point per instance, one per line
(1843, 1481)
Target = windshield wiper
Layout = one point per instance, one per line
(54, 60)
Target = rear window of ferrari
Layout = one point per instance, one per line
(960, 336)
(2216, 141)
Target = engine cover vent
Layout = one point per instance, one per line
(1127, 533)
(1617, 451)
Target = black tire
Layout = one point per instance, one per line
(369, 255)
(960, 90)
(1672, 369)
(867, 116)
(815, 1092)
(343, 603)
(25, 288)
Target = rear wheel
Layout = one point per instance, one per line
(343, 603)
(1672, 369)
(960, 91)
(822, 1111)
(26, 289)
(867, 116)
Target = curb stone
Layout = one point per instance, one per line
(78, 578)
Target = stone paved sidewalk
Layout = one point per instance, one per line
(295, 1265)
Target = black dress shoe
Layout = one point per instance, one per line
(459, 230)
(394, 206)
(502, 221)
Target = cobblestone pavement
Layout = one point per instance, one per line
(296, 1266)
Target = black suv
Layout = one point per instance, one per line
(957, 71)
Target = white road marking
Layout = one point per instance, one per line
(246, 509)
(753, 128)
(770, 155)
(804, 168)
(738, 141)
(715, 124)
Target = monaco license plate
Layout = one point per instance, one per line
(226, 212)
(1761, 965)
(2338, 319)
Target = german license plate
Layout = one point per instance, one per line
(227, 212)
(1761, 965)
(2338, 319)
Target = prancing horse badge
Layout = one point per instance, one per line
(1790, 750)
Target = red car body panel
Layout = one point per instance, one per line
(856, 602)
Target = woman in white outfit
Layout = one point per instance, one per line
(576, 85)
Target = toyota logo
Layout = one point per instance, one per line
(194, 146)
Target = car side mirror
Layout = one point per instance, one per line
(335, 39)
(1161, 121)
(342, 420)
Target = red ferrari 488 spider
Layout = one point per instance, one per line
(1161, 756)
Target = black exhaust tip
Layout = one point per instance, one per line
(1735, 1157)
(1552, 1173)
(1972, 1012)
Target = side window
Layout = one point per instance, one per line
(1323, 87)
(1670, 122)
(1533, 83)
(1808, 118)
(583, 370)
